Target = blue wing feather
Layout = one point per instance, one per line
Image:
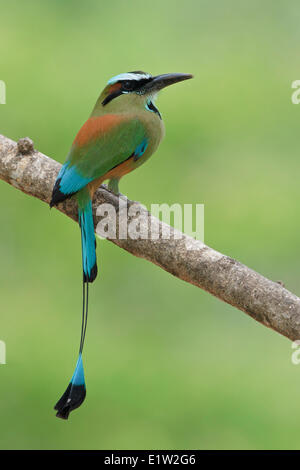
(70, 180)
(140, 149)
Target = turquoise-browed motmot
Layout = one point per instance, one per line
(123, 131)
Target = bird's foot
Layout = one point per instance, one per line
(113, 186)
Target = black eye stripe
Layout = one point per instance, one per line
(133, 85)
(128, 86)
(111, 97)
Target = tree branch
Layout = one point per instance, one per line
(266, 301)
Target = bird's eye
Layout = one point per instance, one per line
(127, 85)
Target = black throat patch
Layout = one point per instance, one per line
(153, 108)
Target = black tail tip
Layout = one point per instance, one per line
(73, 397)
(57, 195)
(92, 276)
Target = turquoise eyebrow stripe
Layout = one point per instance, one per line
(127, 76)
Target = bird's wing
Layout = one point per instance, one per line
(102, 143)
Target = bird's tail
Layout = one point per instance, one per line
(88, 240)
(75, 393)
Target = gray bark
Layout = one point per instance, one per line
(266, 301)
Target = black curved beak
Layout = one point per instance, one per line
(161, 81)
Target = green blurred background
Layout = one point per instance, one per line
(167, 365)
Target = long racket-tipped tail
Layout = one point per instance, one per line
(75, 393)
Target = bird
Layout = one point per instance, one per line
(123, 131)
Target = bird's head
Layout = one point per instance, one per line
(136, 88)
